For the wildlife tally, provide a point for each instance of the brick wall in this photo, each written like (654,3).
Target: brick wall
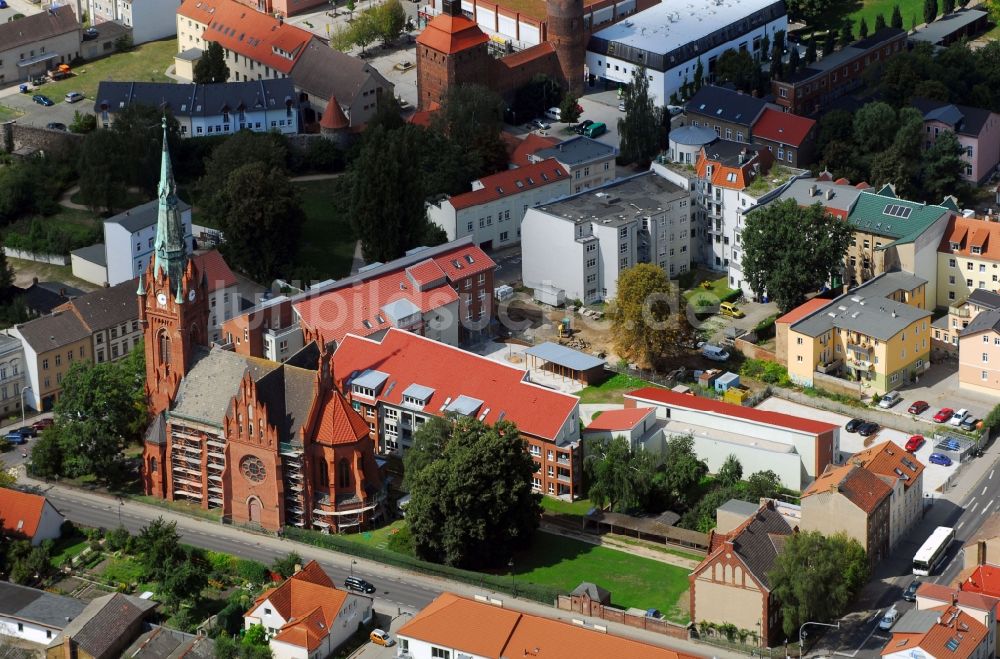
(753,351)
(14,136)
(588,607)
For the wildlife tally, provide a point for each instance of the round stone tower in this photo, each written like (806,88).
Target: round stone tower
(566,32)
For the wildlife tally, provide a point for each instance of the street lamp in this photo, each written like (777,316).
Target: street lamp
(353,563)
(802,635)
(513,587)
(23,389)
(121,502)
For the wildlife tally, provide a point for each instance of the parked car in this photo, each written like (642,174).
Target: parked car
(621,106)
(582,126)
(3,4)
(359,584)
(868,429)
(538,124)
(674,110)
(42,99)
(731,310)
(14,437)
(889,619)
(55,125)
(940,459)
(595,130)
(943,414)
(27,432)
(854,424)
(890,399)
(553,114)
(42,424)
(969,423)
(914,443)
(715,353)
(379,637)
(918,407)
(73,97)
(910,594)
(90,33)
(959,416)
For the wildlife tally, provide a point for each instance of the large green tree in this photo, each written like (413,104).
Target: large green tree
(646,324)
(472,115)
(617,476)
(391,19)
(930,10)
(638,130)
(943,167)
(103,186)
(737,67)
(183,583)
(813,246)
(211,66)
(474,506)
(243,148)
(815,577)
(261,216)
(158,549)
(682,471)
(808,11)
(896,20)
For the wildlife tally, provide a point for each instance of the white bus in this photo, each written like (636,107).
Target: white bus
(932,551)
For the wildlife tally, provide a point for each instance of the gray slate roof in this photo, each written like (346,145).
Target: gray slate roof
(156,433)
(55,330)
(163,643)
(722,104)
(693,135)
(563,356)
(211,383)
(101,624)
(142,216)
(740,507)
(108,307)
(576,151)
(963,119)
(758,543)
(288,392)
(37,27)
(193,100)
(985,298)
(842,197)
(945,26)
(867,310)
(838,58)
(591,590)
(38,606)
(323,72)
(916,622)
(985,320)
(92,253)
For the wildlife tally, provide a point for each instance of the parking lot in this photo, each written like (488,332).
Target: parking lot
(850,442)
(938,386)
(39,115)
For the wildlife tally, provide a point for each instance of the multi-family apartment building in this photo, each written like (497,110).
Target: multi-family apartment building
(149,19)
(878,335)
(32,45)
(975,326)
(977,131)
(129,236)
(200,110)
(282,7)
(598,234)
(948,329)
(895,234)
(112,318)
(589,163)
(12,374)
(816,85)
(904,474)
(968,259)
(493,210)
(259,46)
(51,344)
(728,180)
(398,382)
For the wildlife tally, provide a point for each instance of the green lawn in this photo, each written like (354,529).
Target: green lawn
(327,243)
(612,389)
(719,288)
(6,114)
(67,548)
(869,9)
(581,507)
(378,537)
(633,581)
(145,63)
(179,506)
(123,570)
(680,553)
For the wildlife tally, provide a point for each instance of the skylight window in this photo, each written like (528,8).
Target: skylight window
(895,210)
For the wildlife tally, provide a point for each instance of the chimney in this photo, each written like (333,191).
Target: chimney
(954,599)
(981,552)
(813,190)
(34,281)
(829,193)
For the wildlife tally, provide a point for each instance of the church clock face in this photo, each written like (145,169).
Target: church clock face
(192,295)
(161,299)
(253,469)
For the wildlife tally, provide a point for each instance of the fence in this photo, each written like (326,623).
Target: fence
(588,607)
(754,351)
(54,259)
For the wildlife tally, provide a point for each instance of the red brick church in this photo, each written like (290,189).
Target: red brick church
(265,443)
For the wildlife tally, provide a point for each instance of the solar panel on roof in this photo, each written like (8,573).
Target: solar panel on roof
(952,644)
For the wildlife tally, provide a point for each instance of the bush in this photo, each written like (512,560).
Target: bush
(401,541)
(83,123)
(765,371)
(252,571)
(118,539)
(322,155)
(731,296)
(685,280)
(222,565)
(49,237)
(230,618)
(765,328)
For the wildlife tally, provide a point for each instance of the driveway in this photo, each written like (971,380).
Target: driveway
(39,115)
(850,443)
(939,388)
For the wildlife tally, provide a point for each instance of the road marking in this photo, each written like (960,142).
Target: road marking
(969,502)
(986,507)
(864,642)
(984,491)
(960,525)
(991,473)
(973,509)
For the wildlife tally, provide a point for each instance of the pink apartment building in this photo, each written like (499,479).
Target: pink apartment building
(977,130)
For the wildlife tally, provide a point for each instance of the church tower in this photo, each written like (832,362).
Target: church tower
(173,298)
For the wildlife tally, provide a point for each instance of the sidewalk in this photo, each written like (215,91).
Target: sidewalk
(343,561)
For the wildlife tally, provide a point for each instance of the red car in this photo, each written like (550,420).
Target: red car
(944,415)
(919,407)
(914,443)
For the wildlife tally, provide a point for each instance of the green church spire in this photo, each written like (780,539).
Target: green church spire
(170,247)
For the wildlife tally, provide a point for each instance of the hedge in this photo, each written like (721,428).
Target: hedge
(537,592)
(765,328)
(731,296)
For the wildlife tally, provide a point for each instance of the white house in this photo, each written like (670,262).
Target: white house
(598,233)
(492,212)
(129,238)
(29,515)
(33,615)
(149,19)
(638,426)
(589,163)
(670,39)
(306,616)
(942,631)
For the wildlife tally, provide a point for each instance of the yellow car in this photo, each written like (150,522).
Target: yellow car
(731,310)
(379,637)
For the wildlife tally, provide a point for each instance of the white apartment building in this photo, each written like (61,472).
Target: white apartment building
(597,234)
(589,163)
(670,39)
(129,237)
(492,212)
(149,19)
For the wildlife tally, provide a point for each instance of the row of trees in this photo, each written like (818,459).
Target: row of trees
(385,21)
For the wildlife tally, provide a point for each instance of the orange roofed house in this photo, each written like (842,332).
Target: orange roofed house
(451,627)
(943,632)
(731,584)
(28,516)
(307,616)
(399,382)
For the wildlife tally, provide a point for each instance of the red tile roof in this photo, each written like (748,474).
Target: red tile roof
(216,270)
(890,460)
(465,261)
(451,372)
(807,308)
(984,579)
(783,127)
(451,34)
(309,602)
(333,116)
(674,399)
(957,636)
(532,143)
(967,599)
(625,419)
(20,512)
(485,630)
(248,32)
(860,486)
(511,182)
(971,232)
(528,55)
(425,273)
(339,422)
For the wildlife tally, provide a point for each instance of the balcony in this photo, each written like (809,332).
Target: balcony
(829,367)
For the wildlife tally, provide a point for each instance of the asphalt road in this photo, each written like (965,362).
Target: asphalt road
(392,592)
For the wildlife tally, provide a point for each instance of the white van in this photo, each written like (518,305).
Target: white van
(715,353)
(889,619)
(553,114)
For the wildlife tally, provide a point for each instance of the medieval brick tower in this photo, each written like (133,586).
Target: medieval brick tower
(568,34)
(450,51)
(173,307)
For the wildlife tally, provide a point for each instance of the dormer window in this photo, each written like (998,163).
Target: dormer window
(976,249)
(955,247)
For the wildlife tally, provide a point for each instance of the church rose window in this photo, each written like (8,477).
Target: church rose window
(253,469)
